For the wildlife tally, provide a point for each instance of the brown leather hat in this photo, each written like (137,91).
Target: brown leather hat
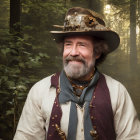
(81,21)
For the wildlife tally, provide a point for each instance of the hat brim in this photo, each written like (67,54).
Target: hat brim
(111,37)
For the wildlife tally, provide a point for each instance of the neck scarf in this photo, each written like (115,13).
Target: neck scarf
(66,95)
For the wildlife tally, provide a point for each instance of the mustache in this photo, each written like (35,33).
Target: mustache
(75,58)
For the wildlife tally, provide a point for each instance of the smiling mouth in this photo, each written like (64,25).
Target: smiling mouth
(74,60)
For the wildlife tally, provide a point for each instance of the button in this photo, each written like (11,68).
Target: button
(93,133)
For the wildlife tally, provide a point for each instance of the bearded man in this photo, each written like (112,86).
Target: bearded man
(80,103)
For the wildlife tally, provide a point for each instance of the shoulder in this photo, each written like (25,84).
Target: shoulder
(40,89)
(113,83)
(125,117)
(44,83)
(118,92)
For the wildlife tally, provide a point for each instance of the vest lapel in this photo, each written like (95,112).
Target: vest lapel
(54,130)
(101,113)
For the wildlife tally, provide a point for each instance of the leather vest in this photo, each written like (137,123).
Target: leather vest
(101,113)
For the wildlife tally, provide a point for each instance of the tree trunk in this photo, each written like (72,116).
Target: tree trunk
(15,17)
(133,48)
(138,39)
(138,19)
(138,7)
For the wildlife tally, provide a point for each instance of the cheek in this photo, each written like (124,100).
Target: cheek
(90,58)
(89,55)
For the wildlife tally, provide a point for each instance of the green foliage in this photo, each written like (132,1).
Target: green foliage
(4,11)
(26,59)
(14,58)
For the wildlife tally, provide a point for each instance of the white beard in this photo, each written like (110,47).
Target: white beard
(76,71)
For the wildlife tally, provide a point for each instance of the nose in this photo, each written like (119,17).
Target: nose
(74,51)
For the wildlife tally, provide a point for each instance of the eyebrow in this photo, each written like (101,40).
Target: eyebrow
(67,41)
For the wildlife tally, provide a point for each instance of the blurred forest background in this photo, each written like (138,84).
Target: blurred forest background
(28,53)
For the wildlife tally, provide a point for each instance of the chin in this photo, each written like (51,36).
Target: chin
(74,72)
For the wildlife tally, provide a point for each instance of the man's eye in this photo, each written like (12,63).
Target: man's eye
(82,45)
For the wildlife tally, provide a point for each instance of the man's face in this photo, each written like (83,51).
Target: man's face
(78,57)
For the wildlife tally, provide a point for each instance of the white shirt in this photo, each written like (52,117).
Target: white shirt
(34,120)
